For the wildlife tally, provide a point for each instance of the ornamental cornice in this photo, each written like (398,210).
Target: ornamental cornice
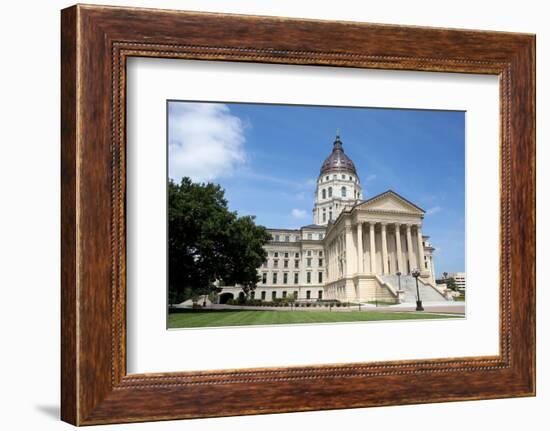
(381,211)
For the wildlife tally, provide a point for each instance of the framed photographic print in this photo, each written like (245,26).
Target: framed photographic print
(325,214)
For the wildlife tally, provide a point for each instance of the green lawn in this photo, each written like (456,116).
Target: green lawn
(209,318)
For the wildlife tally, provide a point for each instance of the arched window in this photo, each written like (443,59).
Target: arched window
(324,193)
(330,192)
(344,191)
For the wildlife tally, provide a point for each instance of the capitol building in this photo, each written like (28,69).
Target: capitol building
(356,250)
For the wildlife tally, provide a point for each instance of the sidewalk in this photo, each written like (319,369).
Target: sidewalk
(443,307)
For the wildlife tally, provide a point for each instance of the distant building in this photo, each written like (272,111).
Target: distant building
(460,279)
(354,249)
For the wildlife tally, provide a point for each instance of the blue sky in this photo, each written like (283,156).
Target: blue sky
(267,158)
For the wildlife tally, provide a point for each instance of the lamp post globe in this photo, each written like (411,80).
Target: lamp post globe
(416,273)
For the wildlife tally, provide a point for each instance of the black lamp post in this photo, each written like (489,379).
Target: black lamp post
(416,274)
(398,273)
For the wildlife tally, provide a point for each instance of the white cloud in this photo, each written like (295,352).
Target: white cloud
(206,141)
(299,214)
(433,210)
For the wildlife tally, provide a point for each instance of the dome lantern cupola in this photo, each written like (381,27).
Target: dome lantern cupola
(338,185)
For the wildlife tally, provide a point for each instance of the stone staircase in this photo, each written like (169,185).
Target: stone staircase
(428,293)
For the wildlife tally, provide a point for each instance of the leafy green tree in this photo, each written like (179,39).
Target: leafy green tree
(245,253)
(207,242)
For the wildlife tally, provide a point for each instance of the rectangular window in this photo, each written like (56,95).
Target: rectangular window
(286,264)
(276,254)
(284,293)
(321,236)
(308,294)
(309,262)
(264,278)
(287,238)
(263,295)
(320,252)
(296,255)
(320,277)
(274,278)
(277,237)
(320,262)
(309,236)
(309,252)
(308,277)
(285,278)
(286,255)
(295,294)
(275,263)
(252,295)
(295,278)
(296,263)
(320,294)
(273,295)
(324,216)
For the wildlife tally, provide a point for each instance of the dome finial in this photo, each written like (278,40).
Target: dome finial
(337,142)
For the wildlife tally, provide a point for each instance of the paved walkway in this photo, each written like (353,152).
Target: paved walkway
(453,308)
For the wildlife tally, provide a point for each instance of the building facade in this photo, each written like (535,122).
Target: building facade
(356,250)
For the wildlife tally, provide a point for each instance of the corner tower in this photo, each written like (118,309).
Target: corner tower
(338,186)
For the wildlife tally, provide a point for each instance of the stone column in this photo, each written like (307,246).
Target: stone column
(359,247)
(349,251)
(327,262)
(410,251)
(372,249)
(332,256)
(421,266)
(399,252)
(384,250)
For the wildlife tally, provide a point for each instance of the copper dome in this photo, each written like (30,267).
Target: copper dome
(338,160)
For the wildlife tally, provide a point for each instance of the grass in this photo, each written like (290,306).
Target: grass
(210,318)
(381,303)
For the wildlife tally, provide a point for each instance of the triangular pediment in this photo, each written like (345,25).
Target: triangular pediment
(390,202)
